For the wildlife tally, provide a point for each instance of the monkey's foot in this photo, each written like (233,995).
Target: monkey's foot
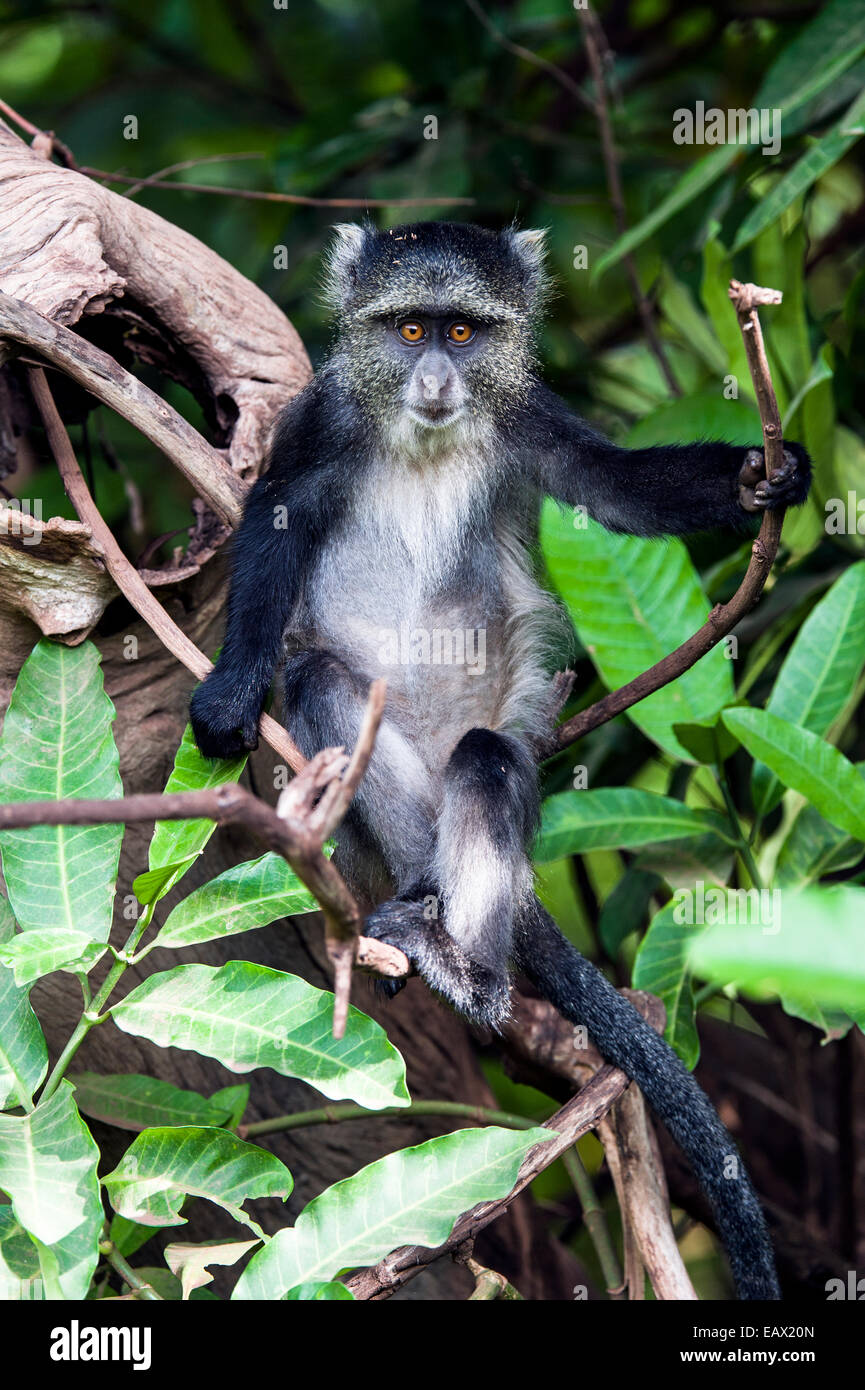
(473,989)
(786,487)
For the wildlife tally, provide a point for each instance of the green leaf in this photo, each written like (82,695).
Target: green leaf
(820,671)
(150,886)
(43,950)
(817,956)
(842,490)
(128,1236)
(627,908)
(777,260)
(717,273)
(57,743)
(234,1099)
(20,1276)
(821,372)
(686,863)
(177,842)
(135,1102)
(681,312)
(806,764)
(48,1170)
(700,415)
(706,740)
(23,1054)
(817,55)
(814,848)
(249,1016)
(162,1167)
(168,1286)
(661,967)
(805,172)
(410,1197)
(693,183)
(249,895)
(617,818)
(633,601)
(833,1023)
(314,1292)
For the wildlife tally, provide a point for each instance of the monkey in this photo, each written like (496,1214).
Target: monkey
(393,527)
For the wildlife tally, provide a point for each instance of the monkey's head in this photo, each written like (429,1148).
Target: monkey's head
(435,322)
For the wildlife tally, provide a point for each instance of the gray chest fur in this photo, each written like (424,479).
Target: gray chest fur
(427,583)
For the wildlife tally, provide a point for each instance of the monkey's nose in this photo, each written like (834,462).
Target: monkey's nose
(431,386)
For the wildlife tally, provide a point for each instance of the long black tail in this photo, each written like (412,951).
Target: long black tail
(580,992)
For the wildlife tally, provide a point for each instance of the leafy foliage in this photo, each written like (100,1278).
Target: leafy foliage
(410,1197)
(743,779)
(249,1016)
(163,1167)
(56,742)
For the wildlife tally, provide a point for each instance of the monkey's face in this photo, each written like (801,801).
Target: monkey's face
(435,325)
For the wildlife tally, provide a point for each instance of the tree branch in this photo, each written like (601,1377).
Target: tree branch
(71,248)
(110,383)
(230,804)
(297,806)
(124,573)
(575,1119)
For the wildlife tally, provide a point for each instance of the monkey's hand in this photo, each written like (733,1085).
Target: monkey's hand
(786,487)
(225,726)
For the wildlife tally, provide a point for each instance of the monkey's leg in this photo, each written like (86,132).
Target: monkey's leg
(585,996)
(488,812)
(392,815)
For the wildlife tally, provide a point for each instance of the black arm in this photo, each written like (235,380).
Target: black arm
(671,489)
(286,517)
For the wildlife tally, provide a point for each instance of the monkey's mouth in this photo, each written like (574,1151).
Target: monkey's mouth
(435,413)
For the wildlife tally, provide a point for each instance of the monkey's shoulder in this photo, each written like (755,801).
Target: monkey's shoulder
(317,431)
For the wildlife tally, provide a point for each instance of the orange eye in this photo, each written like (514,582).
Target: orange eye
(461,333)
(411,331)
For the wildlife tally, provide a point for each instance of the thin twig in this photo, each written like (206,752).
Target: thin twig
(261,196)
(20,120)
(329,811)
(593,35)
(140,1288)
(490,1285)
(558,74)
(156,181)
(641,1189)
(190,164)
(321,820)
(724,616)
(124,573)
(540,1045)
(348,1110)
(595,1223)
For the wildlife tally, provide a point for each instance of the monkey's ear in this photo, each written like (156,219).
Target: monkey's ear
(342,261)
(530,247)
